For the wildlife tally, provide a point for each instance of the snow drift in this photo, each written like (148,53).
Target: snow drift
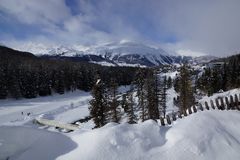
(204,135)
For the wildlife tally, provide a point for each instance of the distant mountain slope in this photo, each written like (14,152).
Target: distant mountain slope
(6,52)
(112,54)
(127,53)
(132,53)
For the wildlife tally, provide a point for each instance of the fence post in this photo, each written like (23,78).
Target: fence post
(194,109)
(168,119)
(179,115)
(232,102)
(222,103)
(227,103)
(237,102)
(206,105)
(174,117)
(200,107)
(212,104)
(217,103)
(162,121)
(189,110)
(184,113)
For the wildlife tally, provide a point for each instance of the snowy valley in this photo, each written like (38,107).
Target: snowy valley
(208,134)
(53,108)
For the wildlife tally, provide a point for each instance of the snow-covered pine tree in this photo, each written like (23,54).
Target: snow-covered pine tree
(98,105)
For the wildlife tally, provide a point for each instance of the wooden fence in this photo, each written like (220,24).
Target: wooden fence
(227,103)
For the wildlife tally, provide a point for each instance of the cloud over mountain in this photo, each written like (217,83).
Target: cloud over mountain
(200,26)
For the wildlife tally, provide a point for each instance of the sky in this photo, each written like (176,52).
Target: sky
(185,26)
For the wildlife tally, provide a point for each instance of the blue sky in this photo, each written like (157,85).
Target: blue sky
(206,26)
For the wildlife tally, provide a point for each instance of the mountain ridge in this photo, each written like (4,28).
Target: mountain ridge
(111,54)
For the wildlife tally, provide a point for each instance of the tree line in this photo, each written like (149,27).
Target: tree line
(224,78)
(146,98)
(24,75)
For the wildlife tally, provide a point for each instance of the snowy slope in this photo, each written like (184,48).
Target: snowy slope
(132,53)
(205,135)
(57,107)
(53,50)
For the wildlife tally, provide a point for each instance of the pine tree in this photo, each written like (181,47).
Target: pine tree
(169,82)
(152,96)
(98,105)
(163,97)
(141,93)
(113,102)
(224,77)
(131,109)
(13,83)
(124,103)
(186,98)
(3,82)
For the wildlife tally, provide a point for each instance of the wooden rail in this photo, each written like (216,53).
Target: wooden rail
(226,103)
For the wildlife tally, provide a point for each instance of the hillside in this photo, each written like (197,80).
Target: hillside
(204,135)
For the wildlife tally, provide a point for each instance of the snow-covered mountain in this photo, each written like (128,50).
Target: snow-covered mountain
(203,59)
(52,50)
(132,53)
(112,54)
(121,53)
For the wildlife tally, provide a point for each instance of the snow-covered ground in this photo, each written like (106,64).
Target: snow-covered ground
(204,135)
(223,94)
(67,108)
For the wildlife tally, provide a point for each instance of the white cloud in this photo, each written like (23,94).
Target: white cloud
(206,26)
(44,12)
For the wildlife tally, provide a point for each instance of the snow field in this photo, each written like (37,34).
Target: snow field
(204,135)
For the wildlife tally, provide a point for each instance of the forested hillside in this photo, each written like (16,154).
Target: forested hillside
(221,78)
(24,75)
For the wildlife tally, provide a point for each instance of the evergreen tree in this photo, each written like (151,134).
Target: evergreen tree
(141,93)
(152,96)
(186,98)
(124,103)
(169,82)
(163,97)
(132,118)
(98,105)
(13,83)
(3,82)
(113,102)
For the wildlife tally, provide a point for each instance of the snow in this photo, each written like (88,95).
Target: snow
(204,135)
(104,63)
(22,143)
(51,107)
(217,95)
(171,93)
(110,50)
(170,74)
